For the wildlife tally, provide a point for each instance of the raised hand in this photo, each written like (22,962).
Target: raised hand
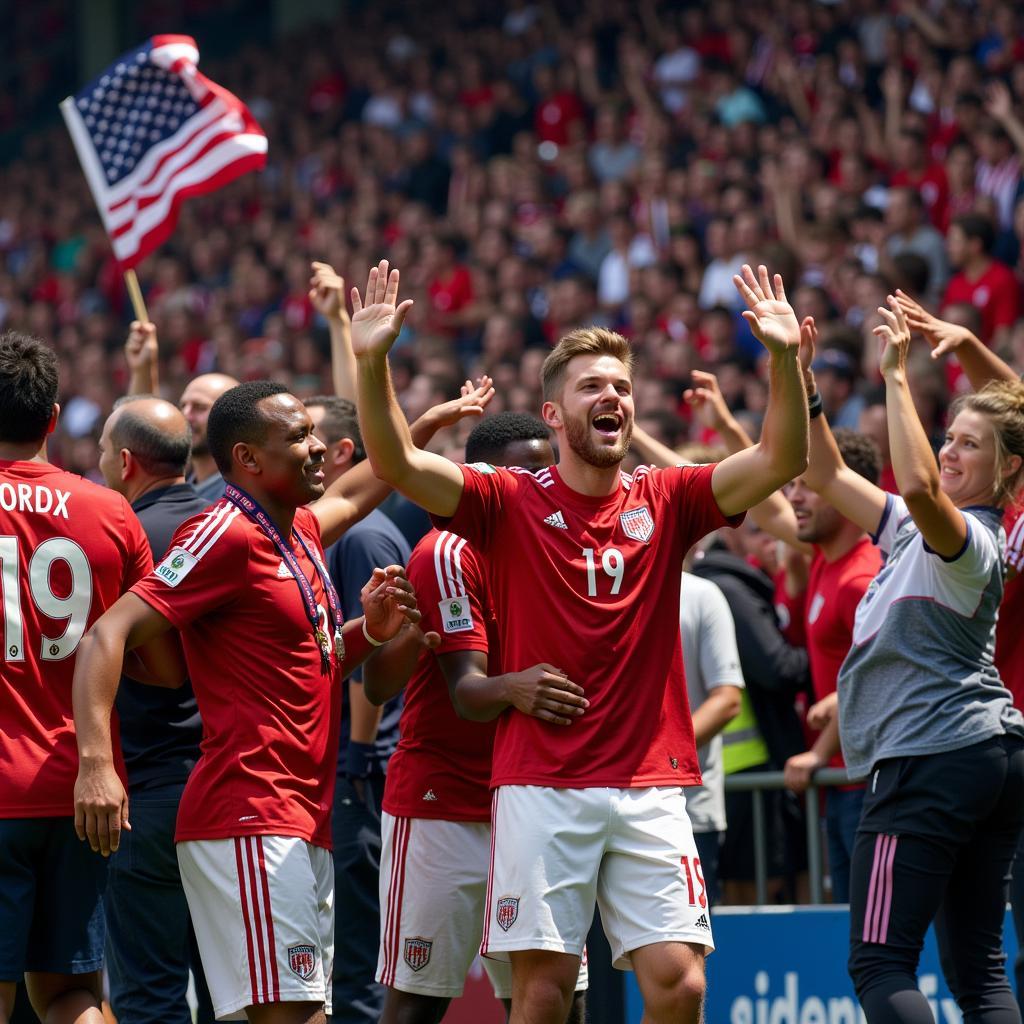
(327,292)
(999,101)
(706,400)
(894,334)
(808,344)
(770,315)
(388,601)
(376,323)
(943,337)
(141,348)
(472,401)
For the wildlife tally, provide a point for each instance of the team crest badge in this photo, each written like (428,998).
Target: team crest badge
(417,953)
(302,960)
(507,911)
(638,524)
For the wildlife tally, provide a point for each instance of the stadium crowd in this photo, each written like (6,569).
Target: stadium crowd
(540,168)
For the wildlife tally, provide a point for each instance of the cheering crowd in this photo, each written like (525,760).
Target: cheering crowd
(576,205)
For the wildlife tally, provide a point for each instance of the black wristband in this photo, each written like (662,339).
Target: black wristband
(361,760)
(814,405)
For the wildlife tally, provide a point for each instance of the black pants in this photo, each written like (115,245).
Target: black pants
(936,841)
(357,997)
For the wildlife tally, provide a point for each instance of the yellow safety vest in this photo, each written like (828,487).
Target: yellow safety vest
(743,746)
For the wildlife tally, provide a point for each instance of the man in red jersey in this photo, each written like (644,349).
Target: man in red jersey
(266,648)
(68,550)
(583,564)
(437,798)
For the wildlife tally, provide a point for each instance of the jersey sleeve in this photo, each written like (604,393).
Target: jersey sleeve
(893,517)
(487,494)
(697,512)
(450,592)
(206,566)
(139,560)
(719,655)
(1015,540)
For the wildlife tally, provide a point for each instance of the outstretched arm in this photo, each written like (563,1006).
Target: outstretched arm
(941,523)
(748,477)
(327,295)
(427,479)
(980,363)
(101,803)
(358,492)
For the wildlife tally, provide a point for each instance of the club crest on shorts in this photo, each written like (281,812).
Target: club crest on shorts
(507,910)
(417,953)
(302,960)
(638,524)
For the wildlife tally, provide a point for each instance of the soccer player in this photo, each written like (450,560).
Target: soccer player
(144,449)
(583,564)
(68,550)
(437,798)
(921,706)
(266,648)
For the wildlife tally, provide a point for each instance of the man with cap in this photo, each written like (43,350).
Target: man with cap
(836,374)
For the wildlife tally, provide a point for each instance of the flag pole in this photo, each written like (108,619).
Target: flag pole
(135,294)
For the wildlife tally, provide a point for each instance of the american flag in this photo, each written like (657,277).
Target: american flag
(152,131)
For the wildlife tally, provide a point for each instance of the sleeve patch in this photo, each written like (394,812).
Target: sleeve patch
(481,467)
(456,615)
(176,566)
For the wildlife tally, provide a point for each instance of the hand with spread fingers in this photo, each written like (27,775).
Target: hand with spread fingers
(894,334)
(377,316)
(389,601)
(942,336)
(472,401)
(769,313)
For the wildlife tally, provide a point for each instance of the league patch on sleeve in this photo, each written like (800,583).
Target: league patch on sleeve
(176,566)
(456,615)
(481,467)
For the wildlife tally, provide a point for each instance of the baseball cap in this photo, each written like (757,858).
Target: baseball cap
(836,360)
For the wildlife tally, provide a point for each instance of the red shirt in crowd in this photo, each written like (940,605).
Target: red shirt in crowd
(833,592)
(271,716)
(442,766)
(1010,627)
(591,585)
(449,295)
(933,185)
(995,294)
(555,117)
(68,550)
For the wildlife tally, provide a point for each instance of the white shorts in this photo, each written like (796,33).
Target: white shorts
(263,912)
(433,881)
(557,851)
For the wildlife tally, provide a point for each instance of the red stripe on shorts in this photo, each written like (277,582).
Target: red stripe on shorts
(257,916)
(244,901)
(275,980)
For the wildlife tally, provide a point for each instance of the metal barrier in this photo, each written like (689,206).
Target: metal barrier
(756,783)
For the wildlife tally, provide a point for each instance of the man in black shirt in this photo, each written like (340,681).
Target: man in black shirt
(144,449)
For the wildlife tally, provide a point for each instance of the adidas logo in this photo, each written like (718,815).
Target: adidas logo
(283,572)
(556,520)
(429,795)
(702,922)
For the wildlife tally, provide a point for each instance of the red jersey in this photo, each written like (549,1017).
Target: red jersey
(1009,635)
(995,294)
(270,715)
(68,550)
(591,585)
(833,592)
(442,766)
(933,185)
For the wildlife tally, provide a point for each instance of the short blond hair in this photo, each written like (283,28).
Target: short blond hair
(1001,402)
(584,341)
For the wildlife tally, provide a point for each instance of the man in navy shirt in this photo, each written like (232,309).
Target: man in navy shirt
(368,737)
(144,449)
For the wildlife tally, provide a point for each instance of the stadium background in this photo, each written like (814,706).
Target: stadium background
(531,167)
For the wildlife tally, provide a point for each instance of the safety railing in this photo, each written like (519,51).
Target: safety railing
(756,783)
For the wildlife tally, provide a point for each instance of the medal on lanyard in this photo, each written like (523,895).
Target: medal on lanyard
(247,504)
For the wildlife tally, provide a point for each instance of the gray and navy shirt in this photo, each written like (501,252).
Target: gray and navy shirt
(920,676)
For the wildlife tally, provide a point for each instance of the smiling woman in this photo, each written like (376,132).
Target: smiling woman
(922,709)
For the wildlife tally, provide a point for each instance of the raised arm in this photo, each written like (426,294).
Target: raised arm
(101,803)
(748,477)
(979,362)
(941,523)
(427,479)
(142,352)
(359,491)
(327,295)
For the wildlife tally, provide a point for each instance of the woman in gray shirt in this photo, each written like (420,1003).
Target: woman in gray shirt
(922,711)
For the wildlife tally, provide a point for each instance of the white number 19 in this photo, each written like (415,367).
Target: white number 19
(75,607)
(613,564)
